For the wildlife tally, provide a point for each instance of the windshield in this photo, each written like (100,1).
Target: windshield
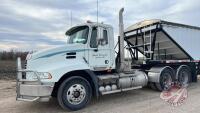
(78,35)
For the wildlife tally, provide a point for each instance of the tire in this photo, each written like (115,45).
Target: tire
(74,93)
(183,73)
(165,80)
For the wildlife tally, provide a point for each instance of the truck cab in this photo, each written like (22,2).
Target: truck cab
(89,48)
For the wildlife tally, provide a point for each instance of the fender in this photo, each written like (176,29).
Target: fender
(89,75)
(155,72)
(94,80)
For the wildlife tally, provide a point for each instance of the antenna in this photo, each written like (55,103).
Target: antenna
(97,11)
(71,18)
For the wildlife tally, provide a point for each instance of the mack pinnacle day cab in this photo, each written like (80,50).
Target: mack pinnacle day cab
(89,64)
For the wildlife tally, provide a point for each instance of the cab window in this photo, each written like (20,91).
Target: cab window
(102,33)
(78,35)
(105,35)
(93,40)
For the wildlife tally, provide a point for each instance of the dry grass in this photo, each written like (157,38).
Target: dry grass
(7,69)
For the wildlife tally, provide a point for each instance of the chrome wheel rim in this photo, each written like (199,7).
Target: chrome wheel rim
(76,94)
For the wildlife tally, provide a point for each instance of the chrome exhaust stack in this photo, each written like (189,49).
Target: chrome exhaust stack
(121,41)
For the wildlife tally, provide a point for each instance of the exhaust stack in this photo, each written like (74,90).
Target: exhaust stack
(121,40)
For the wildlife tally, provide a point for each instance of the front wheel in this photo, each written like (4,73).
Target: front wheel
(74,93)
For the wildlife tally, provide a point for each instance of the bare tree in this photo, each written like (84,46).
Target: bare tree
(12,55)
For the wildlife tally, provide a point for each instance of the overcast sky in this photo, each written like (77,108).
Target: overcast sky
(36,24)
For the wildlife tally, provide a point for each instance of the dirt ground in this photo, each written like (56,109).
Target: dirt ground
(137,101)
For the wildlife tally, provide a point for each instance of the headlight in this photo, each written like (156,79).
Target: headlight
(43,75)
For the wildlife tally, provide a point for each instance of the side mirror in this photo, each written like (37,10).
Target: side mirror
(99,41)
(100,37)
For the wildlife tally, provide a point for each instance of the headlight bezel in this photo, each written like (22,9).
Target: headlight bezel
(42,75)
(29,56)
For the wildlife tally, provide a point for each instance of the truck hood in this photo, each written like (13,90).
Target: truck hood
(57,50)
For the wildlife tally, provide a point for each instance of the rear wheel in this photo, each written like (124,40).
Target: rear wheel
(74,93)
(183,73)
(165,80)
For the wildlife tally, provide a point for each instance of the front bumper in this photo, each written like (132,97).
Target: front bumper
(31,90)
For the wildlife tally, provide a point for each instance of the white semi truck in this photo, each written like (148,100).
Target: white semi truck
(89,65)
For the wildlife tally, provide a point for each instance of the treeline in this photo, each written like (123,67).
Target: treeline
(12,55)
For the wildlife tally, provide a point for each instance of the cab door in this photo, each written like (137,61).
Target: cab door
(99,54)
